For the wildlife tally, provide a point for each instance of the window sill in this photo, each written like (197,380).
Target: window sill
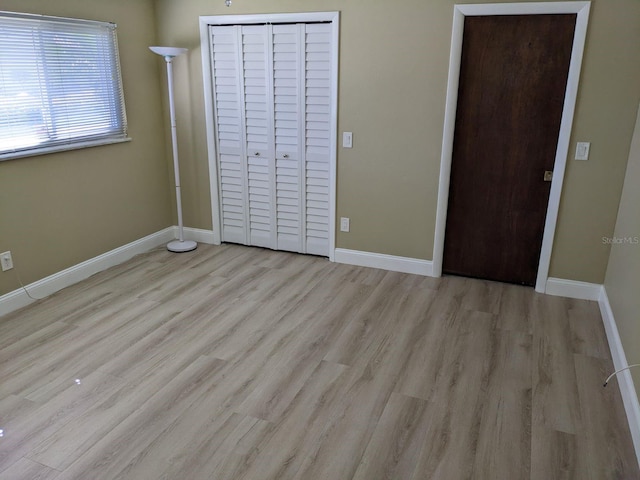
(61,148)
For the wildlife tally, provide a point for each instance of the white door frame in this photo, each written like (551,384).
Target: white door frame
(581,9)
(209,104)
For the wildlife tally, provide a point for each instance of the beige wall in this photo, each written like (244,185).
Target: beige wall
(393,77)
(623,274)
(60,209)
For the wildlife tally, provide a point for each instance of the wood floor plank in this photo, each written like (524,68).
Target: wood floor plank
(397,441)
(458,401)
(32,344)
(435,333)
(239,363)
(297,301)
(25,469)
(23,433)
(473,294)
(388,354)
(504,438)
(121,446)
(515,310)
(283,447)
(587,329)
(13,407)
(349,427)
(554,394)
(366,330)
(188,429)
(287,370)
(76,437)
(167,334)
(555,455)
(220,454)
(85,352)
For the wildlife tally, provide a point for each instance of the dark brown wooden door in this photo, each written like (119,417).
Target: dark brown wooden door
(513,77)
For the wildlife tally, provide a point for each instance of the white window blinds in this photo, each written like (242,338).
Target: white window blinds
(60,84)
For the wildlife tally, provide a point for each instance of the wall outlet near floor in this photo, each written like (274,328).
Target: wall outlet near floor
(344,224)
(6,261)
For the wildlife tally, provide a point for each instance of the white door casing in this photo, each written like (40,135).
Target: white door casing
(581,9)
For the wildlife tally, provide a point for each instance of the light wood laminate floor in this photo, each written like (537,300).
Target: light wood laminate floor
(240,363)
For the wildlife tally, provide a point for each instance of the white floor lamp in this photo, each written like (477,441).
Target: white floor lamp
(169,53)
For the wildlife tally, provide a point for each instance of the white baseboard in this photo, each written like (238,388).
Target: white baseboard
(560,287)
(385,262)
(51,284)
(624,379)
(197,235)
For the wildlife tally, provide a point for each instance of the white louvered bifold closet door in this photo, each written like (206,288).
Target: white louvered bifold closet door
(273,132)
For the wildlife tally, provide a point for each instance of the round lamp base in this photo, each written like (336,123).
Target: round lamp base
(179,247)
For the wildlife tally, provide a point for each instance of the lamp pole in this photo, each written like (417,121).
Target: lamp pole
(169,53)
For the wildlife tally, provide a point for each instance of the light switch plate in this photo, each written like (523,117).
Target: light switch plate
(347,139)
(582,150)
(6,261)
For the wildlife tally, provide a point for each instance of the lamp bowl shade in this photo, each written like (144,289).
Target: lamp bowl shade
(168,51)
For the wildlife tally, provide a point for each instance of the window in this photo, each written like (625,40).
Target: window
(60,85)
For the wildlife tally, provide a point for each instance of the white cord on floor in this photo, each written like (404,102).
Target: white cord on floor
(618,371)
(23,287)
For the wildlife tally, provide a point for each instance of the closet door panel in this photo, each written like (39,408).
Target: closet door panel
(317,122)
(228,85)
(288,88)
(259,134)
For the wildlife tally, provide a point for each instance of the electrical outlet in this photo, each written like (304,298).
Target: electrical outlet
(6,260)
(344,224)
